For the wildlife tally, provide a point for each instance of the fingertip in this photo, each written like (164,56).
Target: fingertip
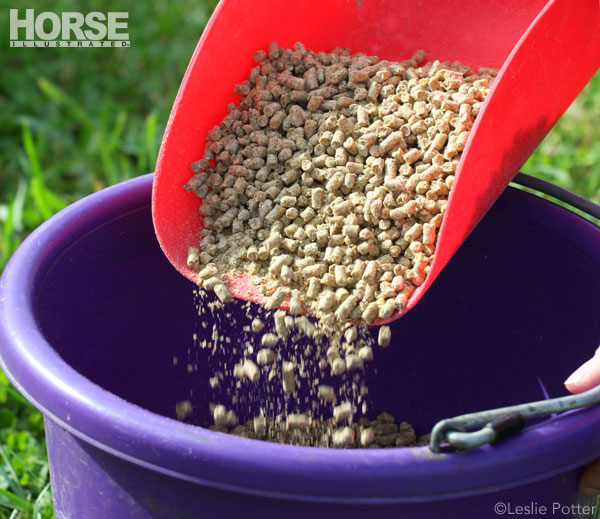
(585,377)
(572,388)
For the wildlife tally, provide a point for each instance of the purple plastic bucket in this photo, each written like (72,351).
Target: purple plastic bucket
(92,314)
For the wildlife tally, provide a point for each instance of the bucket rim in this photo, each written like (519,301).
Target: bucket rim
(195,454)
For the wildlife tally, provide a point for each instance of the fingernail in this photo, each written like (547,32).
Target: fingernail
(579,374)
(589,491)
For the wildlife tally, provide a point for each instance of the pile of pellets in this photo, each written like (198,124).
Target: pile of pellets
(329,180)
(327,184)
(303,429)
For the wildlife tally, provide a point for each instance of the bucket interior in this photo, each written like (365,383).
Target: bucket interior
(509,318)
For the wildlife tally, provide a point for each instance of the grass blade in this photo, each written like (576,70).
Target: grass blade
(11,477)
(151,129)
(108,165)
(36,172)
(17,205)
(47,203)
(26,467)
(6,237)
(31,151)
(38,502)
(60,97)
(11,501)
(117,132)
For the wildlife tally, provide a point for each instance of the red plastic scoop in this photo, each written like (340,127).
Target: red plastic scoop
(547,51)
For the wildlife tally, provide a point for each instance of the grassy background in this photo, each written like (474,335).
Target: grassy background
(73,121)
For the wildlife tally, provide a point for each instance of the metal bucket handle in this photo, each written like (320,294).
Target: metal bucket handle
(496,424)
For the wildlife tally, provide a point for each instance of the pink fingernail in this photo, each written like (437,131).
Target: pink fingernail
(579,374)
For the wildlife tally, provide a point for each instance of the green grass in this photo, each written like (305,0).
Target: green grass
(73,121)
(24,483)
(76,120)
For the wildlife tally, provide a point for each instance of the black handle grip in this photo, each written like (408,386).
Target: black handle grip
(507,425)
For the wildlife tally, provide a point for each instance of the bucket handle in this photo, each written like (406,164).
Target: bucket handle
(560,193)
(495,424)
